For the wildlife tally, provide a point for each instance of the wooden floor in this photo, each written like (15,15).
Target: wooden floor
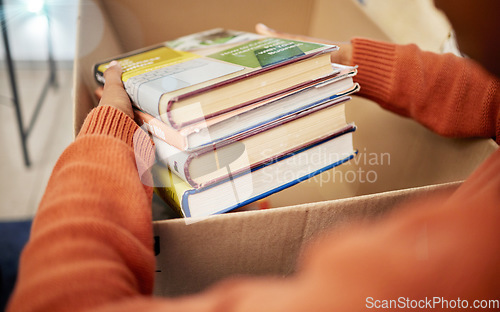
(21,188)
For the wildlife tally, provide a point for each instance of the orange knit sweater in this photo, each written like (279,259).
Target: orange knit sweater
(91,241)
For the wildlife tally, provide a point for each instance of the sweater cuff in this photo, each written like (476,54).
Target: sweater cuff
(375,62)
(109,121)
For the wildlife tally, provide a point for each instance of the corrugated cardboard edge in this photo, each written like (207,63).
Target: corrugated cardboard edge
(194,255)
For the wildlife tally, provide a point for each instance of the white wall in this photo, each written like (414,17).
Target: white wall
(410,21)
(27,31)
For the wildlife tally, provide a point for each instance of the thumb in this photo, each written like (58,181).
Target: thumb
(113,75)
(114,93)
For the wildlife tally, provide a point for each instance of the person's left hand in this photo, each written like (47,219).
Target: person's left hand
(114,93)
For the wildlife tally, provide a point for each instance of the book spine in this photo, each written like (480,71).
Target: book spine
(177,160)
(161,130)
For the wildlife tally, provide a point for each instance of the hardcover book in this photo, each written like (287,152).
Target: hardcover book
(246,187)
(237,121)
(207,74)
(252,148)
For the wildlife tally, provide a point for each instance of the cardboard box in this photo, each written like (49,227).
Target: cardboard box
(398,159)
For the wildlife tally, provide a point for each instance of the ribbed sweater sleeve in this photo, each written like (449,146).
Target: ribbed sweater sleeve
(91,240)
(451,95)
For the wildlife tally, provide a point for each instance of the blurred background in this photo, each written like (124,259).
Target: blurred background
(37,27)
(36,95)
(40,36)
(48,130)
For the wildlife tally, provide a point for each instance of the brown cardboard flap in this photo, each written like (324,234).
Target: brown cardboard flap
(195,255)
(153,21)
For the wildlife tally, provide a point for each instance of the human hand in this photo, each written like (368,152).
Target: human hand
(342,56)
(114,93)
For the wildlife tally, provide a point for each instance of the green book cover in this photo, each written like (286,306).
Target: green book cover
(264,52)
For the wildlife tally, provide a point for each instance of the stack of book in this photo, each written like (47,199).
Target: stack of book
(236,116)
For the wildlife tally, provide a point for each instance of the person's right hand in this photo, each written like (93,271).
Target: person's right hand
(342,56)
